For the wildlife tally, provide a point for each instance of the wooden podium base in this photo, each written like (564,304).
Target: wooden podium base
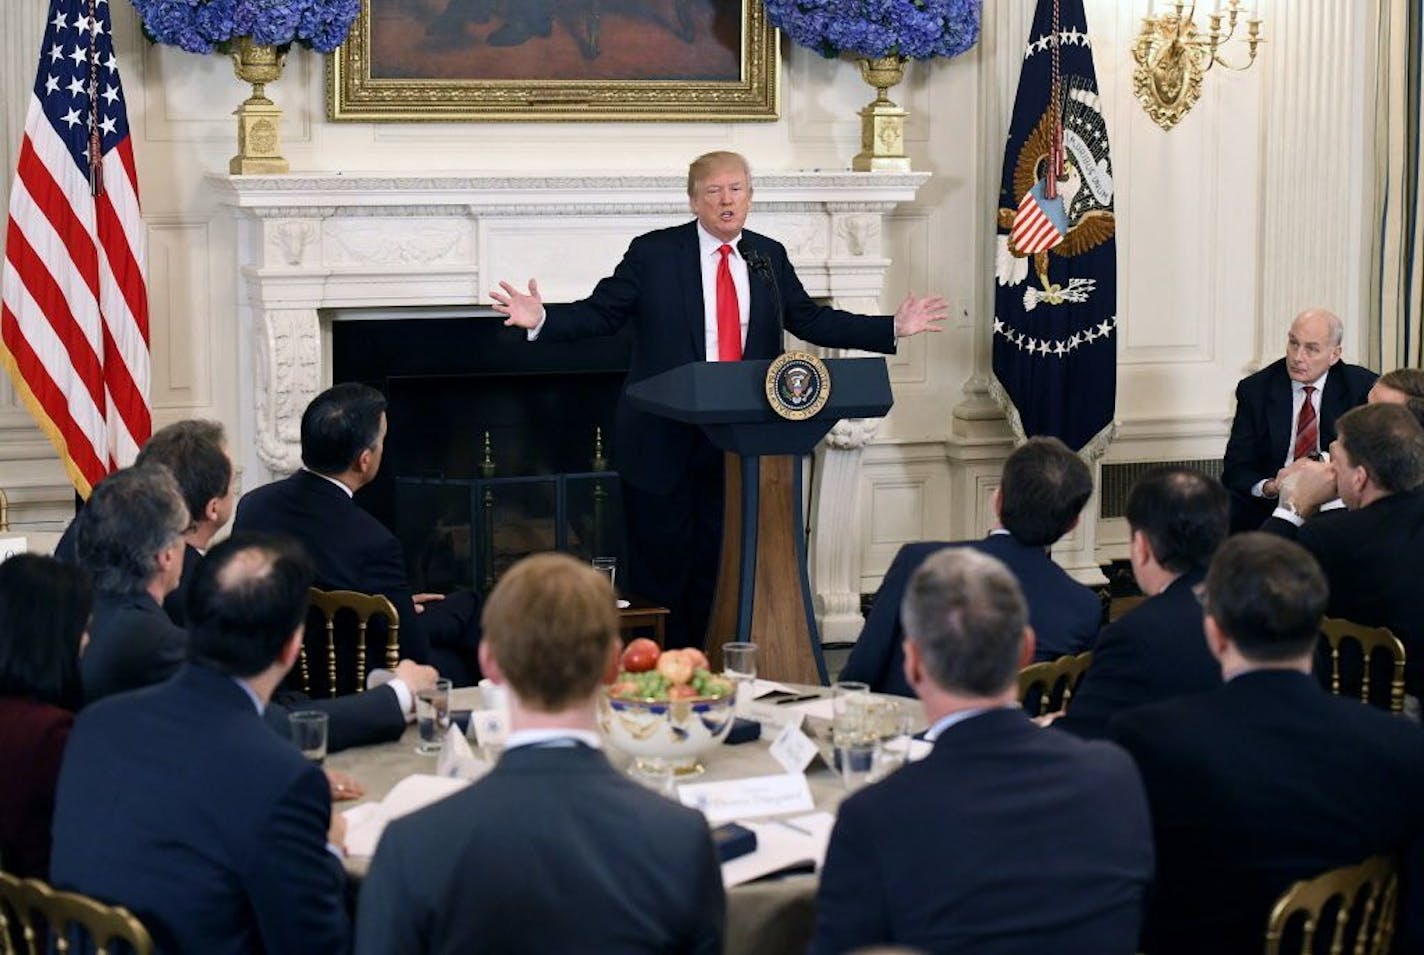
(763,595)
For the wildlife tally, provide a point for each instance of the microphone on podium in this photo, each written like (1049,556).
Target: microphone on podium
(758,262)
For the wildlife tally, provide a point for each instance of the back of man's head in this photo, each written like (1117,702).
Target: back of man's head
(248,596)
(1408,382)
(550,624)
(1044,488)
(1387,441)
(966,614)
(339,424)
(194,452)
(1267,594)
(132,515)
(1183,513)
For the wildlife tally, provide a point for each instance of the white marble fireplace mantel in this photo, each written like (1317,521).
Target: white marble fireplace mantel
(312,244)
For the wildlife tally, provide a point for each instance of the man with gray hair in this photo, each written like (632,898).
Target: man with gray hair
(919,859)
(1286,412)
(130,540)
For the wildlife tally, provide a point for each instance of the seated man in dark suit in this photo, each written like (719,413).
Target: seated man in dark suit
(195,453)
(343,437)
(1369,551)
(1042,491)
(554,850)
(1286,412)
(924,859)
(1177,518)
(178,803)
(1267,779)
(128,538)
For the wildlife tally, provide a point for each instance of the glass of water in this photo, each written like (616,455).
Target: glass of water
(739,664)
(309,731)
(432,716)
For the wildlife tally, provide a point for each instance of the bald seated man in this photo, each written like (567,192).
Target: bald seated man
(1286,413)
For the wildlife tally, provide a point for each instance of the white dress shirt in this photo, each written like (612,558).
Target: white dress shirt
(1297,399)
(711,259)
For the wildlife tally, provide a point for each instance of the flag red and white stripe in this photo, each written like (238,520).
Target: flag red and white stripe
(74,326)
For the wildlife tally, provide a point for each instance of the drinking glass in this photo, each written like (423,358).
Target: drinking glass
(850,702)
(856,759)
(739,664)
(432,717)
(309,731)
(608,567)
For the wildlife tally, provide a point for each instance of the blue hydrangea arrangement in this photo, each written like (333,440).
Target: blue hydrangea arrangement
(202,26)
(913,29)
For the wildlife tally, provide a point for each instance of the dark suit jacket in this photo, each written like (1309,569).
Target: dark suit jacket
(1065,614)
(133,644)
(1370,559)
(553,851)
(32,738)
(352,550)
(178,803)
(658,287)
(1256,784)
(925,859)
(1153,652)
(1262,426)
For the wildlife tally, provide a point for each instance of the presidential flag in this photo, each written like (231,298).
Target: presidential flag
(74,324)
(1055,301)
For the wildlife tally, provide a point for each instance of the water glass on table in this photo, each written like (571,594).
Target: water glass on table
(432,717)
(608,567)
(739,664)
(309,732)
(849,702)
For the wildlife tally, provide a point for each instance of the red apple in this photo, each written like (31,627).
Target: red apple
(640,655)
(675,665)
(698,658)
(681,692)
(624,688)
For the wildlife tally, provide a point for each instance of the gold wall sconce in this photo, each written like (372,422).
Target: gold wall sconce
(1173,53)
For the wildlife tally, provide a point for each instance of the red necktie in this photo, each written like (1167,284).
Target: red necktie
(729,321)
(1307,428)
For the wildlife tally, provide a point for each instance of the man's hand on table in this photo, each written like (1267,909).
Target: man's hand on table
(344,786)
(1308,485)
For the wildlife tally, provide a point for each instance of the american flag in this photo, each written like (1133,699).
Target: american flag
(74,326)
(1039,222)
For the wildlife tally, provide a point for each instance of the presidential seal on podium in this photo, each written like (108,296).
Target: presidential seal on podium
(797,385)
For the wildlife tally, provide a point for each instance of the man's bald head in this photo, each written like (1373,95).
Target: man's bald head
(247,598)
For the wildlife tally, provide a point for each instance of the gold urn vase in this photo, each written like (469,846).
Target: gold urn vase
(882,123)
(259,131)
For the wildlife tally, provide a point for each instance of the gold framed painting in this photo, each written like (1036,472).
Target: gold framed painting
(555,60)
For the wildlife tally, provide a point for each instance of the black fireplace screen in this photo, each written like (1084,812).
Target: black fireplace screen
(496,447)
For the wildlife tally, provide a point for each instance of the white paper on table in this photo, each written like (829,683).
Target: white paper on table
(773,795)
(366,822)
(781,846)
(760,688)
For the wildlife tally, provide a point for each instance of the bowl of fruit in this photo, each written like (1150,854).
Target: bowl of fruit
(666,705)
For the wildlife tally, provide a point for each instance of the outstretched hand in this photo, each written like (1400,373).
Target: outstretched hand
(917,315)
(520,309)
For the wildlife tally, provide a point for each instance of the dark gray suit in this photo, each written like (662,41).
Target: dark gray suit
(554,851)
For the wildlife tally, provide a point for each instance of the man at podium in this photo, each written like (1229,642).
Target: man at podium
(706,290)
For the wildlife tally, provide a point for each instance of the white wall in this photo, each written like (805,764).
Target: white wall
(1250,210)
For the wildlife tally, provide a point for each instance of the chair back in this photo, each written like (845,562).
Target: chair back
(1358,901)
(349,604)
(36,918)
(1054,681)
(1371,640)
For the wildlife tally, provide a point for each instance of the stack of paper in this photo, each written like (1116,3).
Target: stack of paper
(366,822)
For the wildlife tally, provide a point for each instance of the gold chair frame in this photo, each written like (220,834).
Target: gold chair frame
(1337,630)
(364,606)
(60,910)
(1066,670)
(1374,878)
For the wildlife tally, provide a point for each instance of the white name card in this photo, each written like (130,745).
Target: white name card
(792,748)
(489,727)
(748,798)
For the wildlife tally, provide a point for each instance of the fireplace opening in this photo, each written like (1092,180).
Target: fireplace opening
(496,447)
